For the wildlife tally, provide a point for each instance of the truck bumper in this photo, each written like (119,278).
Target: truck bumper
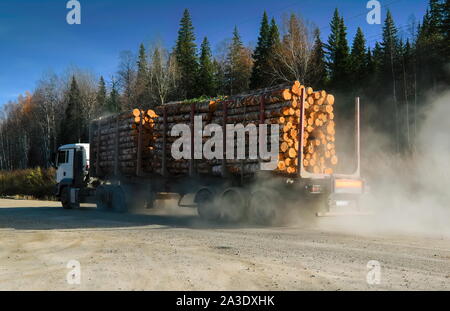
(344,199)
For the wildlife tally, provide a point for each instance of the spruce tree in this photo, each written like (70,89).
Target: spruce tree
(390,42)
(274,47)
(446,31)
(436,9)
(359,59)
(101,96)
(259,75)
(377,57)
(338,53)
(186,55)
(206,70)
(343,57)
(318,70)
(219,77)
(113,101)
(333,44)
(238,66)
(390,47)
(72,130)
(142,79)
(370,66)
(431,44)
(274,38)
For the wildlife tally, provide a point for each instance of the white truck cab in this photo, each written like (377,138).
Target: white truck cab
(72,164)
(65,160)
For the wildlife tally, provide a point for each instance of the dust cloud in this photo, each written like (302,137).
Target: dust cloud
(408,193)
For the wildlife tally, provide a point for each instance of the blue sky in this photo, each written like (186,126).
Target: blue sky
(35,38)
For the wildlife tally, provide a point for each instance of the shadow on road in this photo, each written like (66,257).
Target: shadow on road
(51,218)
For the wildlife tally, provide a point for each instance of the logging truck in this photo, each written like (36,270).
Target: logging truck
(129,160)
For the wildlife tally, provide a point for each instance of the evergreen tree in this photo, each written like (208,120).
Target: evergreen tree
(405,85)
(377,57)
(206,71)
(318,70)
(274,48)
(219,77)
(431,44)
(236,41)
(390,47)
(261,54)
(436,9)
(333,43)
(338,53)
(101,96)
(186,55)
(446,30)
(238,66)
(113,101)
(359,59)
(142,79)
(370,66)
(72,129)
(274,35)
(343,57)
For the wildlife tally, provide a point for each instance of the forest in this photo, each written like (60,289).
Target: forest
(393,76)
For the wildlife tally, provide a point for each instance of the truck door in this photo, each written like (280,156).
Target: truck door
(65,164)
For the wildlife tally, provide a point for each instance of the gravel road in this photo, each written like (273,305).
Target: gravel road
(171,249)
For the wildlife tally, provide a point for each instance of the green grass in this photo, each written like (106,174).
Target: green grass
(37,183)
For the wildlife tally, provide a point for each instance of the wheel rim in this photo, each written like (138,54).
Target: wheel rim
(118,200)
(65,198)
(232,206)
(261,208)
(101,198)
(204,196)
(205,205)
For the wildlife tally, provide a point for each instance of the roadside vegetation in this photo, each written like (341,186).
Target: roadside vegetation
(35,183)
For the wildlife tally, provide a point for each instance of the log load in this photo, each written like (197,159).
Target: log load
(115,141)
(114,147)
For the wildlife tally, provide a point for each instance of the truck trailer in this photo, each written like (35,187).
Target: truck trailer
(128,160)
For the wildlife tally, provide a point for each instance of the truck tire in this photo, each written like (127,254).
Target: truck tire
(65,199)
(264,206)
(101,198)
(119,200)
(233,205)
(206,208)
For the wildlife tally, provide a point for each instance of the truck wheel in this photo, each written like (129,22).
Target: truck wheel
(101,197)
(264,206)
(233,205)
(207,210)
(118,202)
(65,199)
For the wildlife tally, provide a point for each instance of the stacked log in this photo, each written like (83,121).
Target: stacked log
(281,105)
(170,115)
(319,154)
(114,143)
